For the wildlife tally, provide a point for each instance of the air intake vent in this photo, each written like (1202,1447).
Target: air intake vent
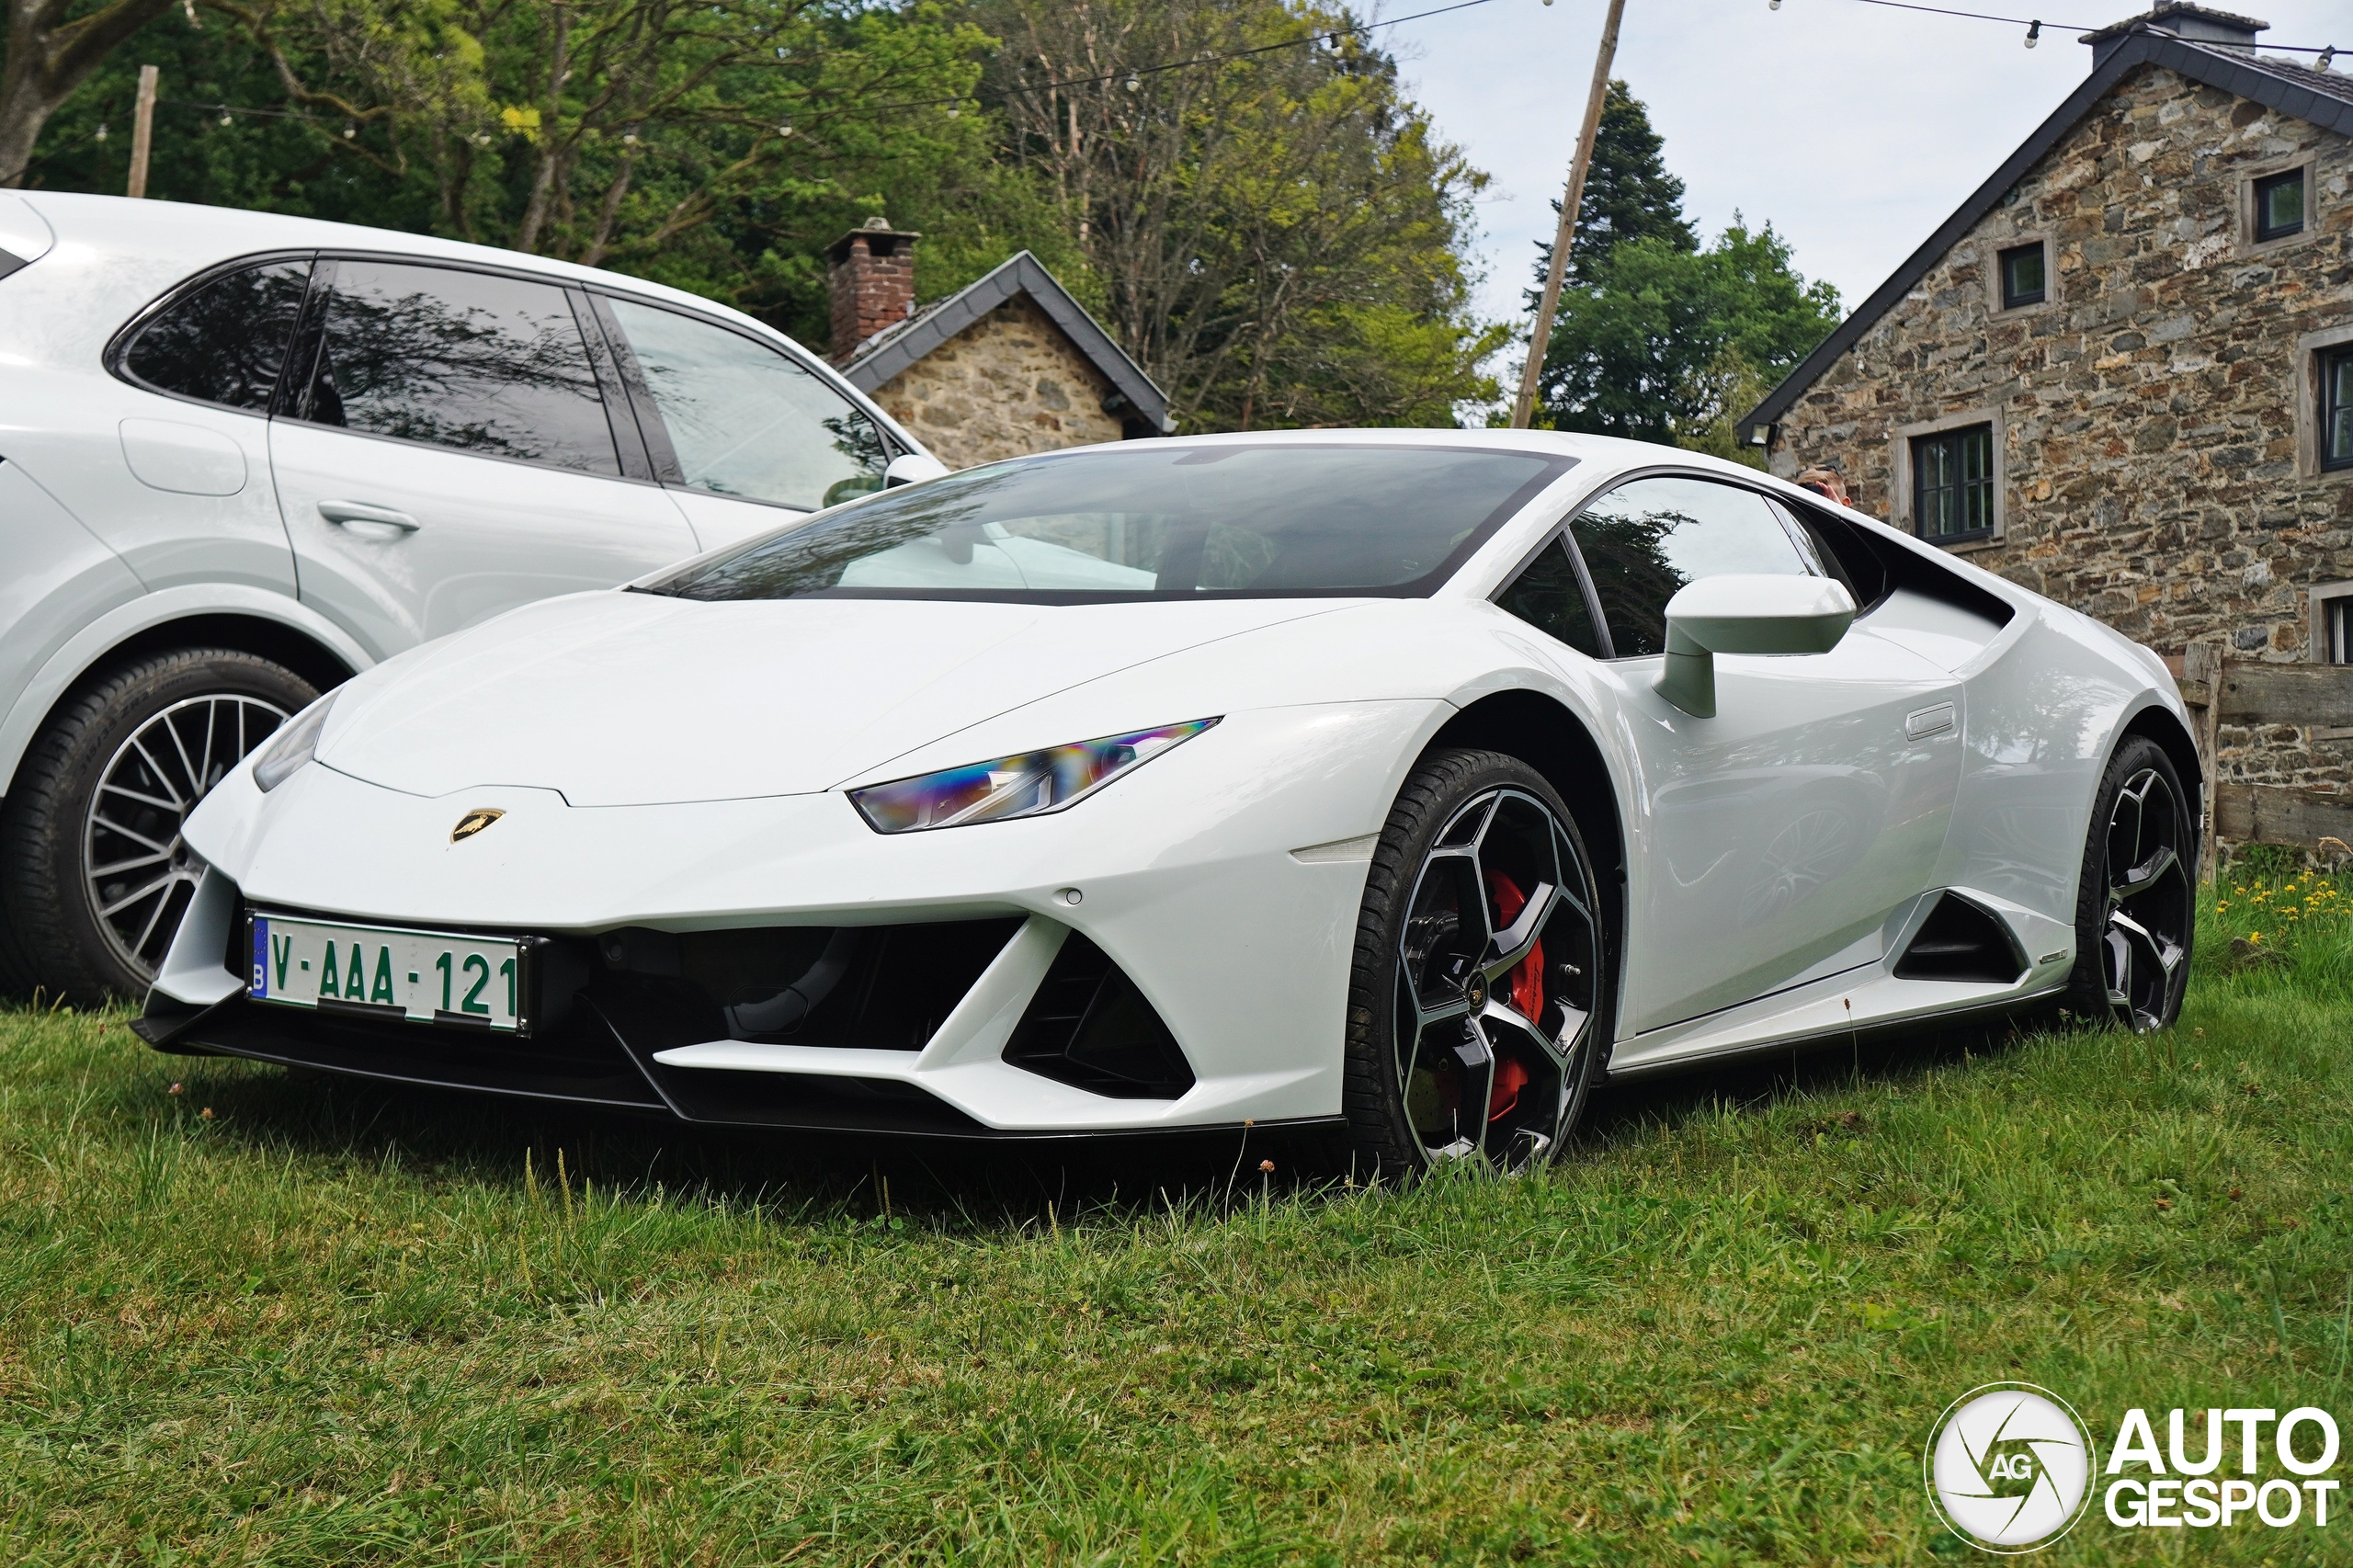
(1089,1027)
(1960,941)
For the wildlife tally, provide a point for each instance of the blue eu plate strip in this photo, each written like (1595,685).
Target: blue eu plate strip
(261,956)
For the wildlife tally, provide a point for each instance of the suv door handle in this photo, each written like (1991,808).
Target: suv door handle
(361,512)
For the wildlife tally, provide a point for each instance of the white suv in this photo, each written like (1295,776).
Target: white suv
(244,457)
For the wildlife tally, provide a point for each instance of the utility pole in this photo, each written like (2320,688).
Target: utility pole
(143,129)
(1524,406)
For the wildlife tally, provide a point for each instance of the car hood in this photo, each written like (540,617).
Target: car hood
(633,699)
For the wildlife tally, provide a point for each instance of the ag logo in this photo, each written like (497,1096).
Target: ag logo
(2008,1467)
(473,822)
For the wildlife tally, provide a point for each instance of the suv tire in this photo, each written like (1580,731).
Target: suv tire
(94,874)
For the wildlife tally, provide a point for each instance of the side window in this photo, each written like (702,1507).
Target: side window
(1548,597)
(225,343)
(462,359)
(747,421)
(1645,539)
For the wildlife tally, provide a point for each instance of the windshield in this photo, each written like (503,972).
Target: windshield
(1148,521)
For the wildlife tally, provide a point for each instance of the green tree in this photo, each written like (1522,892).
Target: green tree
(1277,235)
(1628,194)
(1655,345)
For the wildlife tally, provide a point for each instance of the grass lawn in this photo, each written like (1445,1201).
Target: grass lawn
(325,1324)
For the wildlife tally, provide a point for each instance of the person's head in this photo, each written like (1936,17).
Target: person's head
(1826,483)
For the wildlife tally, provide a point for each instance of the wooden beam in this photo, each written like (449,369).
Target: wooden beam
(142,129)
(2254,693)
(2271,813)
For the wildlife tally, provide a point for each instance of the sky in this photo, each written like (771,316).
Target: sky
(1854,128)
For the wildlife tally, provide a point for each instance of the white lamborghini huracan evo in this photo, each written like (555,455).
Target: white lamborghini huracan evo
(1410,780)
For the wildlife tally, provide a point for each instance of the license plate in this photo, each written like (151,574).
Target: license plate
(428,977)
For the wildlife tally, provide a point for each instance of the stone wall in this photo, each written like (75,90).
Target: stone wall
(1009,383)
(2147,416)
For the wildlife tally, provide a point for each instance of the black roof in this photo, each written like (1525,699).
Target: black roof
(2323,97)
(890,351)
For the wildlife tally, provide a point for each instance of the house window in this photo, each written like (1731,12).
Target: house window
(1952,483)
(2337,629)
(2280,206)
(2022,279)
(2336,408)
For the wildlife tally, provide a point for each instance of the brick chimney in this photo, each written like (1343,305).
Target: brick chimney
(872,273)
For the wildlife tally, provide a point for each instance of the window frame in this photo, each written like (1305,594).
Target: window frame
(2324,361)
(116,356)
(2324,600)
(2265,184)
(661,450)
(293,399)
(2003,300)
(1957,439)
(1905,491)
(1565,530)
(2308,375)
(2251,237)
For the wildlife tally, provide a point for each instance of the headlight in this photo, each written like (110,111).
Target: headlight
(292,745)
(1029,784)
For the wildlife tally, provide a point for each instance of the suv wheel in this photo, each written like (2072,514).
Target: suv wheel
(93,873)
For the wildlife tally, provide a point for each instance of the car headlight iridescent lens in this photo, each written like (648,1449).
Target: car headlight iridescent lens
(293,746)
(1029,785)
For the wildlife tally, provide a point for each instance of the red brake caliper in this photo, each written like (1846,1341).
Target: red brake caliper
(1527,997)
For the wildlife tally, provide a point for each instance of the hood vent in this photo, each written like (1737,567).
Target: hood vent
(1960,941)
(1089,1027)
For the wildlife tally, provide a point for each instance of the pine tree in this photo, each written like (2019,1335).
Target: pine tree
(1629,194)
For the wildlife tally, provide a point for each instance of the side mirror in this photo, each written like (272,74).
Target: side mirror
(912,467)
(1745,613)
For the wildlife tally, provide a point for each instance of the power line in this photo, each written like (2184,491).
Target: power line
(2034,26)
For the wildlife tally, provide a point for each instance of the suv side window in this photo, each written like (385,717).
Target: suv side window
(464,359)
(226,342)
(1548,596)
(746,420)
(1648,537)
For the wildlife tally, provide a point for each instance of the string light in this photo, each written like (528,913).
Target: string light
(101,134)
(2034,32)
(2326,57)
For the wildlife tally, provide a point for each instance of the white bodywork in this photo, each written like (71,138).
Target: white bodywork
(127,510)
(683,765)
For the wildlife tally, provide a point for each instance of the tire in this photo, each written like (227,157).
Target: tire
(104,787)
(1439,1018)
(2135,904)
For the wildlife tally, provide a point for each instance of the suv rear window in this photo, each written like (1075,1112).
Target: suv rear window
(226,342)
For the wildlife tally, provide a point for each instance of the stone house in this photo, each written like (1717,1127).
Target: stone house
(2121,374)
(1007,365)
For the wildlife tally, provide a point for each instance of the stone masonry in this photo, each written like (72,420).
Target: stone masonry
(2147,418)
(1009,384)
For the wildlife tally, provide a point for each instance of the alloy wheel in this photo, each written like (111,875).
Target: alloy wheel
(1495,971)
(2144,934)
(138,872)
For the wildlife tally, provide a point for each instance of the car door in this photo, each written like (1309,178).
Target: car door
(451,452)
(746,436)
(167,460)
(1778,837)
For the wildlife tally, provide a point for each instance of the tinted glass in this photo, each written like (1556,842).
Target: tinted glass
(1146,520)
(2280,206)
(1953,483)
(1548,595)
(2022,276)
(747,421)
(226,342)
(462,359)
(1645,539)
(2336,409)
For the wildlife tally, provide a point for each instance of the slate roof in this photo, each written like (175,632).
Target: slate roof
(2323,97)
(891,350)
